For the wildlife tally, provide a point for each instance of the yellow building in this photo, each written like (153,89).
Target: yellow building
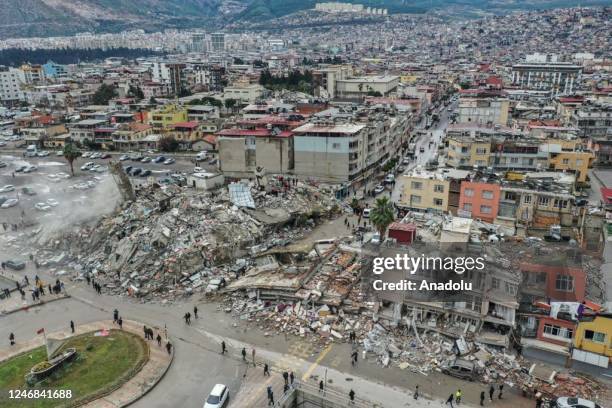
(579,162)
(167,116)
(425,190)
(593,340)
(468,152)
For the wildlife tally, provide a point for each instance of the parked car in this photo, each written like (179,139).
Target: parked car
(127,169)
(3,164)
(571,402)
(42,153)
(401,169)
(366,212)
(379,189)
(30,168)
(159,159)
(145,173)
(212,161)
(198,170)
(21,168)
(169,161)
(389,179)
(106,156)
(15,264)
(422,150)
(218,397)
(52,202)
(124,157)
(88,165)
(11,202)
(145,159)
(42,207)
(59,153)
(86,155)
(136,171)
(136,157)
(461,368)
(7,188)
(28,191)
(201,156)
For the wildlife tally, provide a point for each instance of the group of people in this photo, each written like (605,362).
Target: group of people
(148,335)
(458,395)
(97,287)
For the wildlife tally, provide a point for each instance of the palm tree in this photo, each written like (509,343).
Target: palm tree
(382,215)
(70,154)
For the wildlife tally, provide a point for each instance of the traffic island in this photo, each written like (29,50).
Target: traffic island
(110,367)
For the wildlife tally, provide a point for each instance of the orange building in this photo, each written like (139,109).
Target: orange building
(479,200)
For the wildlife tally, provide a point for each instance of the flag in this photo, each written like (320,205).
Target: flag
(40,331)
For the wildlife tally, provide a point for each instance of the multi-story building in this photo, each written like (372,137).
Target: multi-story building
(166,116)
(483,107)
(217,42)
(130,135)
(479,200)
(428,191)
(10,86)
(324,79)
(85,130)
(545,73)
(32,74)
(360,87)
(244,93)
(593,121)
(593,340)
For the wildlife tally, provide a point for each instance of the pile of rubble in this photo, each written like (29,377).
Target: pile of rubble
(172,241)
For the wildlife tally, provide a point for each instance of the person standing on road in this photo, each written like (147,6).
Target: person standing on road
(291,378)
(458,396)
(158,340)
(115,315)
(120,321)
(271,398)
(491,392)
(186,317)
(169,347)
(321,386)
(253,356)
(352,396)
(450,399)
(195,312)
(416,393)
(286,377)
(243,354)
(482,398)
(501,391)
(12,339)
(223,347)
(72,326)
(266,370)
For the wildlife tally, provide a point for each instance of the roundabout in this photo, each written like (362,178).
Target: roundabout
(100,365)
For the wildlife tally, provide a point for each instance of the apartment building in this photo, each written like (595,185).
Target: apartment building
(324,79)
(479,200)
(130,135)
(428,191)
(593,340)
(166,116)
(10,86)
(244,93)
(85,129)
(593,121)
(360,87)
(546,73)
(483,107)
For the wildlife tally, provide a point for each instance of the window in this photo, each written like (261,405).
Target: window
(468,192)
(558,331)
(487,194)
(481,150)
(564,283)
(510,289)
(514,160)
(527,199)
(560,203)
(595,336)
(438,201)
(438,188)
(485,209)
(510,195)
(415,199)
(566,161)
(335,145)
(416,185)
(467,206)
(495,283)
(543,200)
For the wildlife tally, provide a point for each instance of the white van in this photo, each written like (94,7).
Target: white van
(201,156)
(389,179)
(31,151)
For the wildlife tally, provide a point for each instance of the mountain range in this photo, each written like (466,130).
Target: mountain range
(27,18)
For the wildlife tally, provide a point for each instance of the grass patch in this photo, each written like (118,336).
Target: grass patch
(101,365)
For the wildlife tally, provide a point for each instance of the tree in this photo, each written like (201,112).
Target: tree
(104,94)
(136,92)
(382,215)
(152,100)
(71,153)
(230,103)
(168,144)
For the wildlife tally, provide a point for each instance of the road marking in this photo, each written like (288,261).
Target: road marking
(316,362)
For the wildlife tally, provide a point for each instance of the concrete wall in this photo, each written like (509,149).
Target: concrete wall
(232,156)
(274,155)
(326,158)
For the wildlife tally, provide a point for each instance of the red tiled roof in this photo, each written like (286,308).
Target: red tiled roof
(188,125)
(400,226)
(571,99)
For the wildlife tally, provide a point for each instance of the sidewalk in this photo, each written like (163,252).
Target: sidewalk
(15,304)
(150,374)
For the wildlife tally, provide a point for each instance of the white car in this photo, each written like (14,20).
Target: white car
(87,165)
(11,202)
(379,189)
(95,167)
(366,212)
(42,153)
(63,175)
(7,188)
(59,153)
(389,179)
(86,154)
(95,156)
(218,397)
(571,402)
(30,168)
(42,207)
(198,170)
(52,202)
